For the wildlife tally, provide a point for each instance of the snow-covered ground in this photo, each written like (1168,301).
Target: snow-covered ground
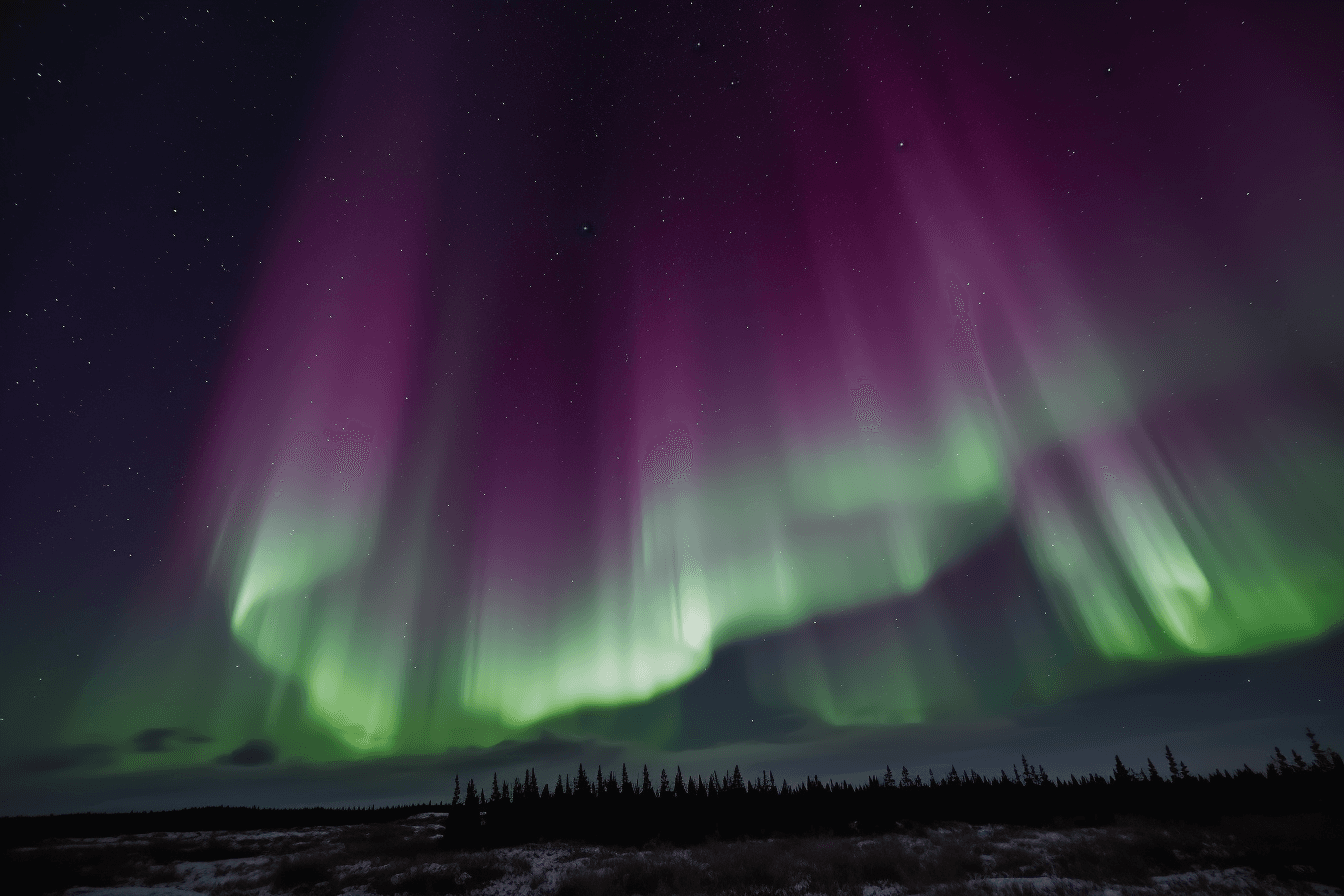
(408,857)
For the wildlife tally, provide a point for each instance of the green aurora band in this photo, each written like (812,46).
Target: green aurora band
(429,515)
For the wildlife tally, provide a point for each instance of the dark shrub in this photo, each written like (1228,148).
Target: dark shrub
(303,871)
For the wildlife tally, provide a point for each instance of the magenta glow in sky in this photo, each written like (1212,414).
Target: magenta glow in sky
(568,364)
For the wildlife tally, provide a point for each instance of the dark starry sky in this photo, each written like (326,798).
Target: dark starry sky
(142,150)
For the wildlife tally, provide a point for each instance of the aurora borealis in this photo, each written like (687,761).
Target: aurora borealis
(934,363)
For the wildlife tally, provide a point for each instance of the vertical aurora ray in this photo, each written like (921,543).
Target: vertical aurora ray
(1169,552)
(313,416)
(834,335)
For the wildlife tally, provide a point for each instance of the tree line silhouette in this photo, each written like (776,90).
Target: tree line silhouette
(611,809)
(605,807)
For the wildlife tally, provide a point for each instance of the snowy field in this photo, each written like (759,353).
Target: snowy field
(409,857)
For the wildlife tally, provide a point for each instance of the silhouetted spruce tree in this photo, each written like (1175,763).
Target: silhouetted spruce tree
(1152,772)
(737,784)
(1171,764)
(905,778)
(646,786)
(494,789)
(581,782)
(626,788)
(663,788)
(678,784)
(1319,760)
(888,780)
(1324,759)
(472,801)
(457,790)
(1122,775)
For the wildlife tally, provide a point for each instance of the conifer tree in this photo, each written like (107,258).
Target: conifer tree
(678,785)
(1122,774)
(1325,758)
(626,789)
(457,790)
(737,779)
(471,793)
(1152,772)
(888,780)
(1171,764)
(646,787)
(494,789)
(581,782)
(663,789)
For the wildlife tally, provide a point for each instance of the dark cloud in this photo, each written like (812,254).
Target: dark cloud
(161,740)
(254,752)
(85,756)
(545,749)
(153,740)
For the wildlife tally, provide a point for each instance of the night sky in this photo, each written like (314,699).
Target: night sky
(398,390)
